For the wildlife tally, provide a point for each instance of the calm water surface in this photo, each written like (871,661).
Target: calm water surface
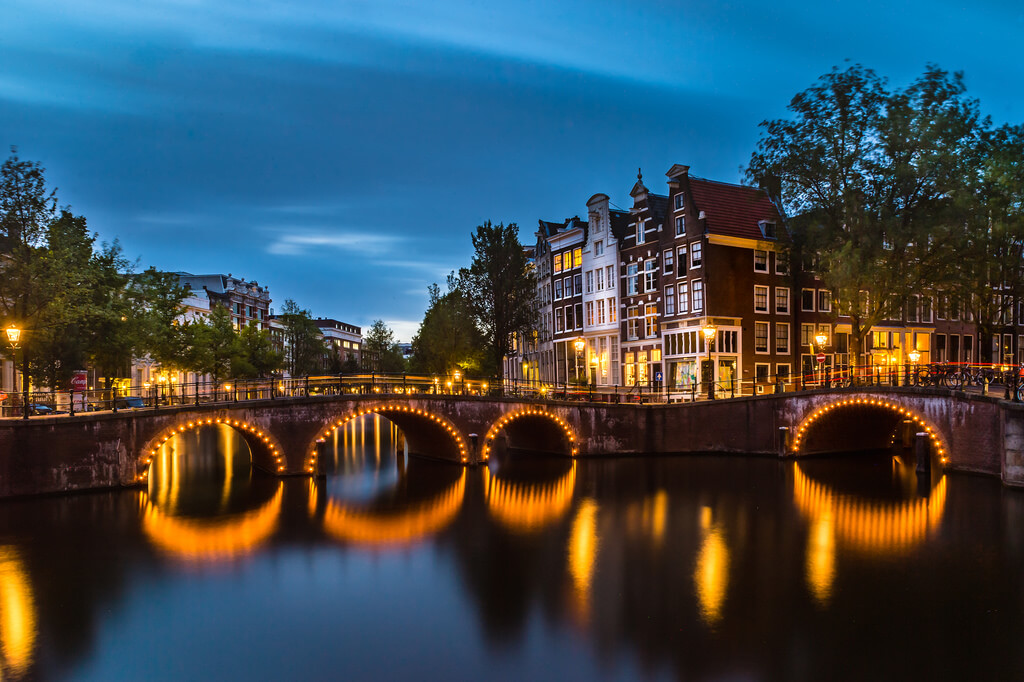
(396,568)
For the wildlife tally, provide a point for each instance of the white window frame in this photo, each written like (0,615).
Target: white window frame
(765,252)
(697,302)
(786,310)
(761,288)
(778,327)
(766,350)
(696,255)
(814,296)
(680,225)
(670,300)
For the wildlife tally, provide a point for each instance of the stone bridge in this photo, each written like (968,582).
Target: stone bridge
(964,432)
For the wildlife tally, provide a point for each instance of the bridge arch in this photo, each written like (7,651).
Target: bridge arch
(427,434)
(266,451)
(532,428)
(840,425)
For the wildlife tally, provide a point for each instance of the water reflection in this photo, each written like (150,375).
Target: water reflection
(17,614)
(582,553)
(526,506)
(711,571)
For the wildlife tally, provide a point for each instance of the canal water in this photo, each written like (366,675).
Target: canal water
(532,568)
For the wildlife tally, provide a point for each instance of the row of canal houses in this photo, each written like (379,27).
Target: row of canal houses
(624,297)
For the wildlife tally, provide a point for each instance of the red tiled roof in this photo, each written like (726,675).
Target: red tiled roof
(733,210)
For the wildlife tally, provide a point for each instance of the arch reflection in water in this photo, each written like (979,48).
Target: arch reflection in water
(582,550)
(18,626)
(711,569)
(377,496)
(199,507)
(868,526)
(529,506)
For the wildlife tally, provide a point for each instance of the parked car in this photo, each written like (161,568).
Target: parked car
(39,410)
(129,403)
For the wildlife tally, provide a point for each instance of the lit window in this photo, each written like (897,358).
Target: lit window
(651,320)
(577,257)
(782,300)
(761,337)
(782,337)
(760,299)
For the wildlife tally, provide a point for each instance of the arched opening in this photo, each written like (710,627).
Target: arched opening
(532,430)
(425,434)
(864,425)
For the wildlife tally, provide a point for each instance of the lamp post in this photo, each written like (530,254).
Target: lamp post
(820,338)
(579,344)
(709,330)
(914,356)
(14,336)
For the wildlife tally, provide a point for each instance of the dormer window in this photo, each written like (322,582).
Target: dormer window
(767,228)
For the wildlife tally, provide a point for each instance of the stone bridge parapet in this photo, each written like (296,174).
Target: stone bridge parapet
(97,450)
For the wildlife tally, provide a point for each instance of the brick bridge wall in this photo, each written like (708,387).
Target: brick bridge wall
(972,433)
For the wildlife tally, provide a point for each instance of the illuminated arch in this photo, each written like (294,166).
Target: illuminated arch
(529,507)
(387,410)
(869,525)
(250,433)
(897,410)
(509,417)
(206,541)
(364,526)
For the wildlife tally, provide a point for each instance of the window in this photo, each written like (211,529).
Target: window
(680,202)
(781,263)
(600,310)
(668,260)
(767,229)
(807,300)
(698,295)
(760,261)
(760,299)
(577,257)
(632,280)
(599,248)
(579,316)
(680,225)
(632,322)
(942,307)
(670,300)
(577,284)
(559,320)
(600,278)
(695,254)
(681,253)
(568,287)
(611,310)
(569,324)
(782,371)
(782,337)
(558,262)
(590,313)
(650,275)
(760,337)
(806,335)
(824,300)
(651,320)
(762,372)
(782,300)
(926,309)
(640,231)
(558,289)
(609,275)
(590,281)
(684,297)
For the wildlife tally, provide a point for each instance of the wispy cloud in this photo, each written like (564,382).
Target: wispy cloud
(301,243)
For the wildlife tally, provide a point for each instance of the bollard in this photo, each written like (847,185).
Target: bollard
(783,441)
(907,426)
(921,452)
(984,386)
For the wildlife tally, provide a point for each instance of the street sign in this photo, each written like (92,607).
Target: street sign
(821,358)
(658,376)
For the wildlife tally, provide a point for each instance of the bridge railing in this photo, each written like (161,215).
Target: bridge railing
(1003,380)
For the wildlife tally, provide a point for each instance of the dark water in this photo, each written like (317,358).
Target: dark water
(395,568)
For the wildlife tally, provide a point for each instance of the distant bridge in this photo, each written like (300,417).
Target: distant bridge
(94,450)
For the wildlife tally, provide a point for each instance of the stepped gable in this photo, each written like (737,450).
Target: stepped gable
(733,210)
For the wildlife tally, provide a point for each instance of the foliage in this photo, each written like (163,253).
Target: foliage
(447,338)
(304,346)
(212,344)
(257,357)
(877,185)
(499,290)
(380,351)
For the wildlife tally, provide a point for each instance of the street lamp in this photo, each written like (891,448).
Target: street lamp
(456,376)
(14,336)
(709,330)
(820,338)
(914,355)
(579,344)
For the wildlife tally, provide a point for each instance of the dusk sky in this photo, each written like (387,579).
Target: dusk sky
(342,152)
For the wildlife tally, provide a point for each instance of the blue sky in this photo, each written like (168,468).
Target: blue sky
(342,152)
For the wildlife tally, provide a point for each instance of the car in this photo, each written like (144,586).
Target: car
(39,410)
(129,403)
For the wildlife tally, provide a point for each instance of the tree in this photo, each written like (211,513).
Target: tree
(213,343)
(500,290)
(257,357)
(380,351)
(875,186)
(447,337)
(304,346)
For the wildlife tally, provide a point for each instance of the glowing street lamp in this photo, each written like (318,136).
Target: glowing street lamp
(14,336)
(579,344)
(709,330)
